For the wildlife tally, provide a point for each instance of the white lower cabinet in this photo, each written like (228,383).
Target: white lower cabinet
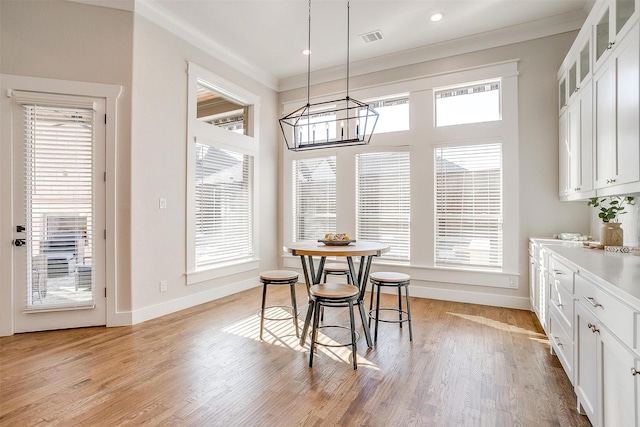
(605,382)
(595,332)
(619,396)
(585,365)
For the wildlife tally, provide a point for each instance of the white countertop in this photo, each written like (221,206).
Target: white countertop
(620,271)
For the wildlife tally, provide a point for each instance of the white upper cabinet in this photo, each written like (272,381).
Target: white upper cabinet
(599,95)
(576,127)
(617,113)
(612,20)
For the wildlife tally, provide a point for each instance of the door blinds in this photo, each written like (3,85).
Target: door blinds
(58,183)
(468,199)
(224,205)
(383,201)
(314,198)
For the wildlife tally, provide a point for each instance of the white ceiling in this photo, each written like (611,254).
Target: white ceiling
(267,36)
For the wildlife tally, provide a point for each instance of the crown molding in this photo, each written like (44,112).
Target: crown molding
(515,34)
(161,17)
(127,5)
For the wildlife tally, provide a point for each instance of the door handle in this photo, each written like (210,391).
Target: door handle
(20,228)
(19,242)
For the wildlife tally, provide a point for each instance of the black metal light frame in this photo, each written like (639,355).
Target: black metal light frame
(348,121)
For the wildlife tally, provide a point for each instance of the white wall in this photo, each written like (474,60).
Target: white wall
(540,211)
(80,42)
(76,42)
(158,158)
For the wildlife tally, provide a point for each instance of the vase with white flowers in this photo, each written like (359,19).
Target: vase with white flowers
(611,234)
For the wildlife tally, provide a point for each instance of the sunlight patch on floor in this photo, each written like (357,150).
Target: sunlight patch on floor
(283,334)
(499,325)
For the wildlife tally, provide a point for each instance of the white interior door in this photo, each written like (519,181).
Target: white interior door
(58,211)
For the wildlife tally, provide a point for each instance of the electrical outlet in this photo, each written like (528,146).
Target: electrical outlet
(513,283)
(163,203)
(163,285)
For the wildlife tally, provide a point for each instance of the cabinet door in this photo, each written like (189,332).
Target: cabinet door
(580,142)
(618,389)
(602,35)
(614,21)
(627,154)
(605,118)
(563,159)
(585,376)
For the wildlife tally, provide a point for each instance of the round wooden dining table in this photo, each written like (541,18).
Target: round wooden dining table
(366,250)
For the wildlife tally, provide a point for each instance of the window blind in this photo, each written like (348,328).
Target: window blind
(383,201)
(224,206)
(469,206)
(58,183)
(314,198)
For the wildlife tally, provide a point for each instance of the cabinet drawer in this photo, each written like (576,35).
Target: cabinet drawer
(561,301)
(562,273)
(562,344)
(612,313)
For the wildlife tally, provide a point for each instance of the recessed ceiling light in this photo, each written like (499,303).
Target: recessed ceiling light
(306,52)
(437,16)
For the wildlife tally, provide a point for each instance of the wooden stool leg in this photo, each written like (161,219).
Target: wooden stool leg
(295,308)
(353,336)
(264,300)
(406,291)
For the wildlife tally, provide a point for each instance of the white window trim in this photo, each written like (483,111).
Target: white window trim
(420,139)
(110,93)
(222,138)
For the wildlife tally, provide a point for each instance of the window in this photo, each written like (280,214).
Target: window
(224,205)
(468,104)
(468,218)
(314,197)
(220,110)
(222,154)
(393,114)
(383,200)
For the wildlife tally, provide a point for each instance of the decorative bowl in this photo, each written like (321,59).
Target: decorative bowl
(330,242)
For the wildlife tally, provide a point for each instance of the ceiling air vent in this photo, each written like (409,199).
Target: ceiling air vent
(372,36)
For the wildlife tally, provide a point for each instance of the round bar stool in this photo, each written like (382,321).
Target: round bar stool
(279,277)
(334,269)
(392,280)
(332,295)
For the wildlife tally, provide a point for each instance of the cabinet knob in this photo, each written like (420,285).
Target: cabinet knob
(557,272)
(610,45)
(557,340)
(576,189)
(576,90)
(634,372)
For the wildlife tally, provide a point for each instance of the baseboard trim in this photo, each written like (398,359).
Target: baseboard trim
(174,305)
(507,301)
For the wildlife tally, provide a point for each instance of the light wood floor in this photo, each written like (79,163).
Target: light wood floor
(468,365)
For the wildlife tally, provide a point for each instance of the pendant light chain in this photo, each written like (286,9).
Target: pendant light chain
(309,60)
(348,21)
